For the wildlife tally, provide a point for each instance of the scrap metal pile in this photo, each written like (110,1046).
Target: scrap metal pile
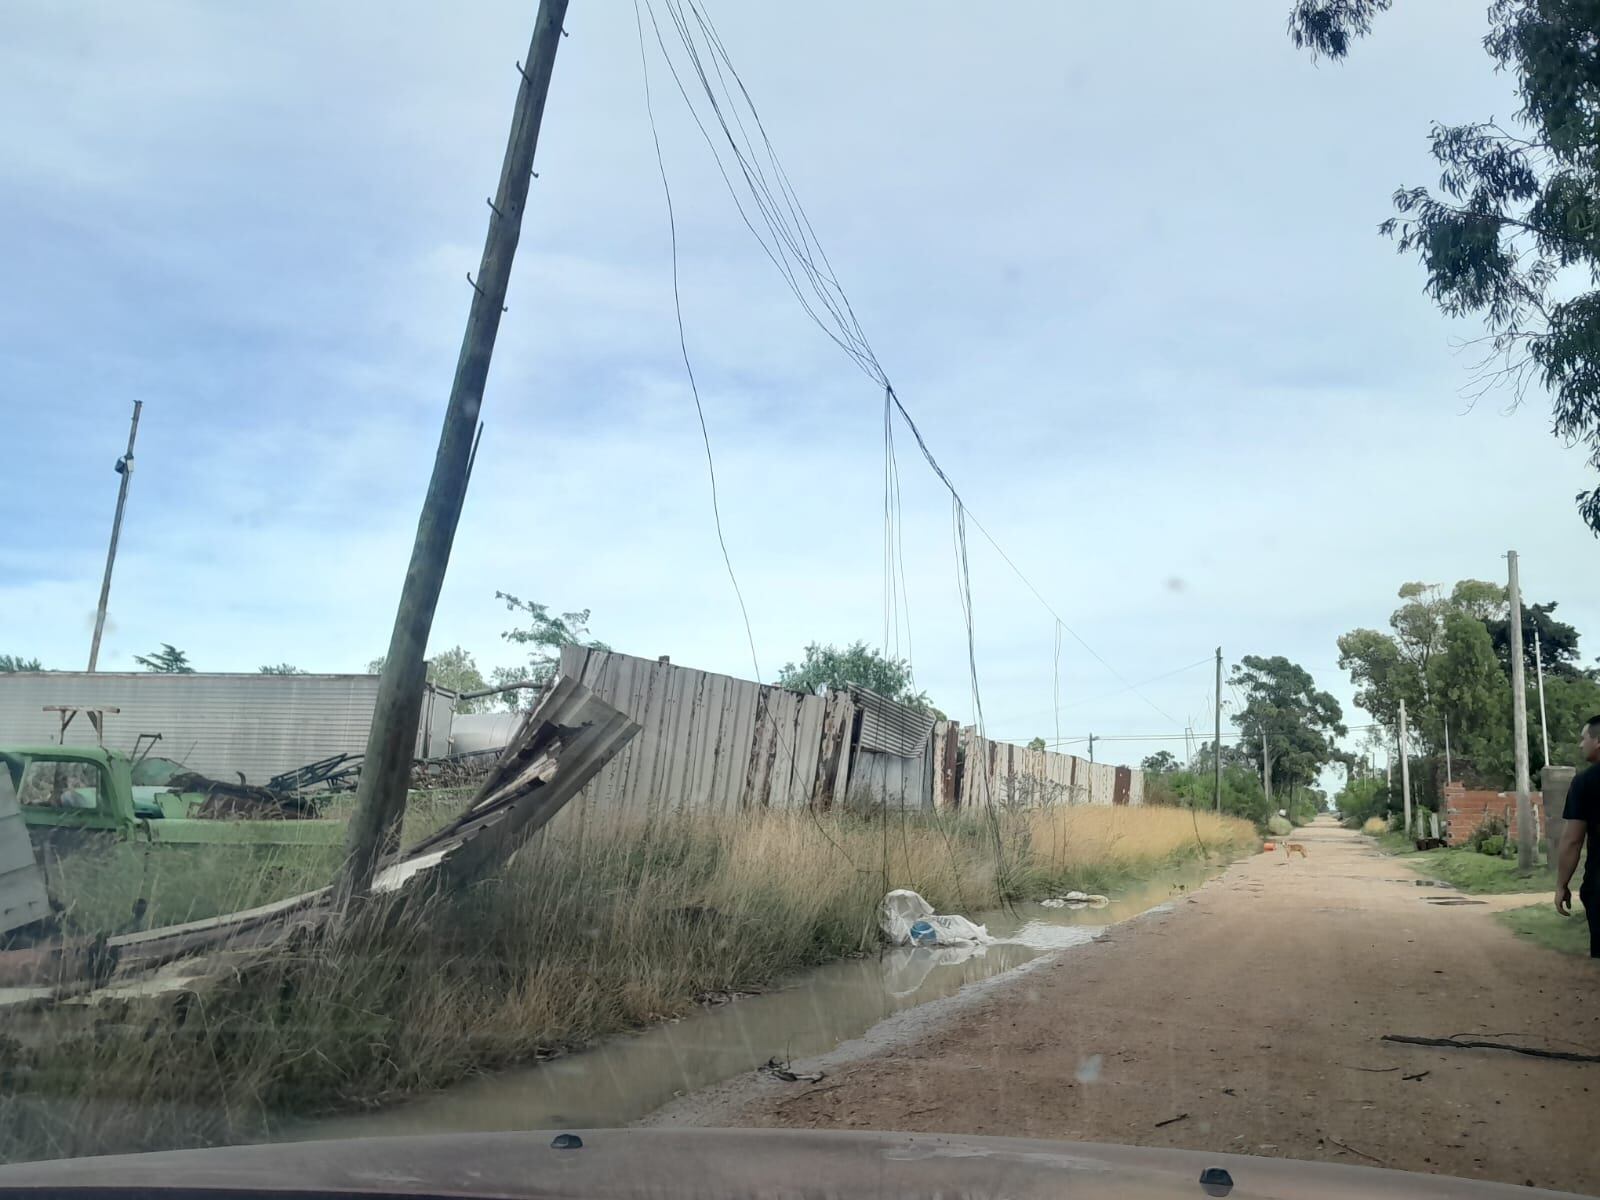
(558,748)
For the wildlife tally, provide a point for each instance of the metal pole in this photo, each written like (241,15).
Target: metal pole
(1544,728)
(1447,776)
(1519,719)
(1405,768)
(391,741)
(125,469)
(1216,738)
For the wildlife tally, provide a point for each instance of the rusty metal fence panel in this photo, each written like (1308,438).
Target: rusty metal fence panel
(1011,776)
(713,743)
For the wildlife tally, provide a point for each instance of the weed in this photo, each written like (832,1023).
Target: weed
(595,927)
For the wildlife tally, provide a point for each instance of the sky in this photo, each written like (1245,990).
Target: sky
(1120,261)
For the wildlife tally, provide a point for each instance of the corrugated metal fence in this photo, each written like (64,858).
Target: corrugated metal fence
(713,742)
(721,744)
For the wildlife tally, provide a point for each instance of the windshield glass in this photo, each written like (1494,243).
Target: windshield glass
(1024,573)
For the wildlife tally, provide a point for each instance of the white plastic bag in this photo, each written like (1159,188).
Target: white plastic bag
(902,909)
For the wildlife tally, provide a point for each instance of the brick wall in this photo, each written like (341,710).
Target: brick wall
(1464,811)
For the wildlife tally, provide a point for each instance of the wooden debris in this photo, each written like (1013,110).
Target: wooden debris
(1461,1044)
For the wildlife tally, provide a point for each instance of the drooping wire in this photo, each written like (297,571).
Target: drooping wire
(791,242)
(683,347)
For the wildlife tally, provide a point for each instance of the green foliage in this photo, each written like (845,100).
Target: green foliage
(1493,829)
(454,669)
(1569,702)
(1493,846)
(1558,641)
(1299,721)
(544,636)
(1361,799)
(283,669)
(1542,925)
(1036,744)
(10,663)
(1512,234)
(828,668)
(1194,787)
(168,660)
(1447,657)
(1281,826)
(1161,762)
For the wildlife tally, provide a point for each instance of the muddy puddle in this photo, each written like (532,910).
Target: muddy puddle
(625,1078)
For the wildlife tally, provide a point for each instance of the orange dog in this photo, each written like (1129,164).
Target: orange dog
(1290,849)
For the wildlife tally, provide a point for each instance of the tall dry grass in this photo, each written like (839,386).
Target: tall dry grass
(592,929)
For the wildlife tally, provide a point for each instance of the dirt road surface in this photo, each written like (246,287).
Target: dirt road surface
(1248,1019)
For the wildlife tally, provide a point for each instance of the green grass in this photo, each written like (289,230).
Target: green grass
(1467,870)
(1543,925)
(99,877)
(594,928)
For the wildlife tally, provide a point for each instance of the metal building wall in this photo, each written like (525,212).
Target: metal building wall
(711,742)
(217,724)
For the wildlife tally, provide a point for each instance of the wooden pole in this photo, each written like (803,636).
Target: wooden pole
(1091,768)
(1266,772)
(1216,738)
(1519,719)
(391,743)
(125,469)
(1544,727)
(1405,767)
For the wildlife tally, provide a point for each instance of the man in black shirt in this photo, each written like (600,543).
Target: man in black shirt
(1582,816)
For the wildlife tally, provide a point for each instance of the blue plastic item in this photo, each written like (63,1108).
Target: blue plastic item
(923,934)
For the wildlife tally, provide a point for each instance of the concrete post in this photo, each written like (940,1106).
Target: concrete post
(1554,782)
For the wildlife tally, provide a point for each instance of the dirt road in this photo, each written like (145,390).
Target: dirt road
(1248,1019)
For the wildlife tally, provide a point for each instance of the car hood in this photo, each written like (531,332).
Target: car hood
(623,1164)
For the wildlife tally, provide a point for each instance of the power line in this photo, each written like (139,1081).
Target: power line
(683,347)
(792,240)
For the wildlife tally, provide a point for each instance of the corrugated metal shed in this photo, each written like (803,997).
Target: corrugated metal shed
(712,742)
(23,899)
(890,726)
(217,724)
(895,757)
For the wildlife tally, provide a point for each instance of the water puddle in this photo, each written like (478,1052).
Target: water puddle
(631,1075)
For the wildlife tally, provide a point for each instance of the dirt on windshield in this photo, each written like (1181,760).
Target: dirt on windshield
(1248,1018)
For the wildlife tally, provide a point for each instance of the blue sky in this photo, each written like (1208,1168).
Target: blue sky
(1121,262)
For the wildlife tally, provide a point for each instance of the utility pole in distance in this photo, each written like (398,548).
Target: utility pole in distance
(1266,772)
(1544,726)
(125,469)
(1091,768)
(1519,719)
(391,742)
(1405,767)
(1216,739)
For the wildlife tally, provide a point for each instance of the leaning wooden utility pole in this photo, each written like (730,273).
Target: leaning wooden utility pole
(125,469)
(391,743)
(1519,719)
(1216,738)
(1405,767)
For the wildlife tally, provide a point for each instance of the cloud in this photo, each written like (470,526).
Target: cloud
(1122,269)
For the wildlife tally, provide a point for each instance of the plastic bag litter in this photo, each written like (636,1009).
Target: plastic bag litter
(1076,900)
(908,920)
